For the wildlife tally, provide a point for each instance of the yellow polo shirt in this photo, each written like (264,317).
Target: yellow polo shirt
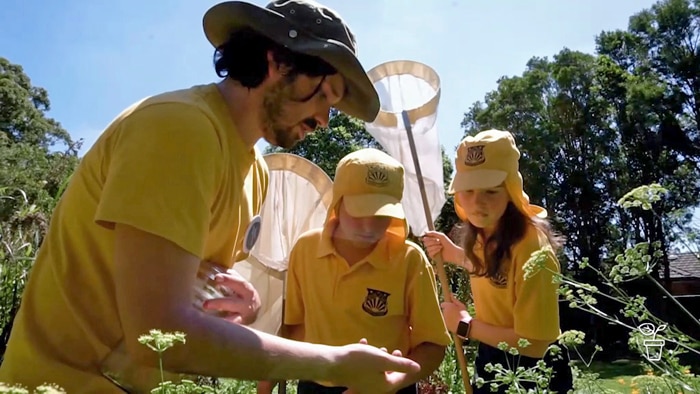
(390,297)
(531,306)
(172,165)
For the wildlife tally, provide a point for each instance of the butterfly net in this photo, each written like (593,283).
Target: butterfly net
(298,197)
(413,88)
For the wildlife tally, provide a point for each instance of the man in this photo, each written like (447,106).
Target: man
(173,181)
(359,277)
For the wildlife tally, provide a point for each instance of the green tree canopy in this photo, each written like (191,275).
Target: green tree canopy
(29,141)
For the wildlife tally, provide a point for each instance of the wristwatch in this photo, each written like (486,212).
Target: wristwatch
(463,329)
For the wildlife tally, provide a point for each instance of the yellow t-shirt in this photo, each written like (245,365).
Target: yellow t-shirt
(389,298)
(531,306)
(172,165)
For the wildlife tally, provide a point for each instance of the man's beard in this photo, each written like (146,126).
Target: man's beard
(273,103)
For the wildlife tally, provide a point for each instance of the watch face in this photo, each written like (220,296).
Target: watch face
(462,328)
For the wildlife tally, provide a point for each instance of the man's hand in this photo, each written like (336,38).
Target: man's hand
(242,302)
(366,369)
(396,380)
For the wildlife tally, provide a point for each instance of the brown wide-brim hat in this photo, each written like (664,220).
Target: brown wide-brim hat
(306,27)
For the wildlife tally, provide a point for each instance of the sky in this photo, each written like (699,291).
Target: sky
(96,57)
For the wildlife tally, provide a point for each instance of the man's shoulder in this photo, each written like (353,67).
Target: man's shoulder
(185,117)
(189,101)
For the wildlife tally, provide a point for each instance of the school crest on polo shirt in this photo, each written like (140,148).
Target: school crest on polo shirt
(377,176)
(475,156)
(375,303)
(500,280)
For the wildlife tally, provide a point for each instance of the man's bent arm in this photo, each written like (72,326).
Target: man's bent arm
(153,283)
(429,356)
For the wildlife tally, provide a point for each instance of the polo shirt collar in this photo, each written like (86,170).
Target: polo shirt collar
(380,257)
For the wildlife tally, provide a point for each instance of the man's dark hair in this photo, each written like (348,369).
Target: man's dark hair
(243,58)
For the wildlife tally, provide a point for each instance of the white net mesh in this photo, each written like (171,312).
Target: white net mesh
(297,201)
(415,88)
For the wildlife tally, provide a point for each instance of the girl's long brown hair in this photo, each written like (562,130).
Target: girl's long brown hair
(510,230)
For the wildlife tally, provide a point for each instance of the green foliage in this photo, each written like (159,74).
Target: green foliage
(22,111)
(32,176)
(20,237)
(28,142)
(43,389)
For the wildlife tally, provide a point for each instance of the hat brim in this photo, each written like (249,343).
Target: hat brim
(476,179)
(366,205)
(361,99)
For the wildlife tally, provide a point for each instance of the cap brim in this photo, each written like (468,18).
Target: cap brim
(361,100)
(366,205)
(477,179)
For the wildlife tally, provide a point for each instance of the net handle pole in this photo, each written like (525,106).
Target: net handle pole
(442,275)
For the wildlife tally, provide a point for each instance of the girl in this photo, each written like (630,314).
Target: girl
(502,230)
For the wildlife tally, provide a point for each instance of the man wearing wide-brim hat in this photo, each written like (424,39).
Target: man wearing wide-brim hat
(174,181)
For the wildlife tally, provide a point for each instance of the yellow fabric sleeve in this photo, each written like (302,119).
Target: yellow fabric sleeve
(425,316)
(164,170)
(536,309)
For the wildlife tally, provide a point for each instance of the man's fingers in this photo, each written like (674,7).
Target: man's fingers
(236,284)
(228,304)
(234,318)
(363,341)
(400,364)
(397,353)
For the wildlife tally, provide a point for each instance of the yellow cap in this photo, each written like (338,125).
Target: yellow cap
(489,159)
(370,183)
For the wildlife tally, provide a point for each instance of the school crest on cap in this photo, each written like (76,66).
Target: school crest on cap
(475,155)
(377,176)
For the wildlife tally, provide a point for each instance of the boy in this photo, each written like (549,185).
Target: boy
(359,279)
